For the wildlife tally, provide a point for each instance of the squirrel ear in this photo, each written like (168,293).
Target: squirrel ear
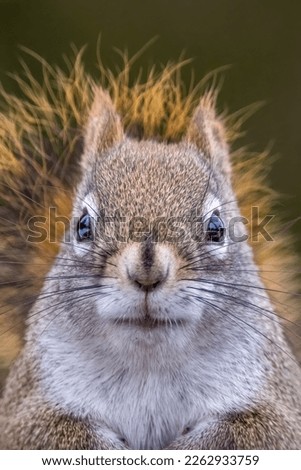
(207,132)
(104,127)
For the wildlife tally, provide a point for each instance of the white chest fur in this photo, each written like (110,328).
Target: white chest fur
(147,397)
(148,410)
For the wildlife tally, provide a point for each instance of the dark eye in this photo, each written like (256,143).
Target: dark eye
(215,231)
(84,228)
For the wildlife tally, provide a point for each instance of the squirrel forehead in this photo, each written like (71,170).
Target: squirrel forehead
(150,177)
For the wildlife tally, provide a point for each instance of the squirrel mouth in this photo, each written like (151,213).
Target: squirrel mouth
(149,322)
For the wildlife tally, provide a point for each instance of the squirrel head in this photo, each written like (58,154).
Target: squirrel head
(152,219)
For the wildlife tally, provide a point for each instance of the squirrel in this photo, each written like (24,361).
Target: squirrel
(160,334)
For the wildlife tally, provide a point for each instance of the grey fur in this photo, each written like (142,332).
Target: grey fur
(127,346)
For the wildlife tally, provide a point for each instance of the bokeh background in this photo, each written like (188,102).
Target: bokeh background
(259,39)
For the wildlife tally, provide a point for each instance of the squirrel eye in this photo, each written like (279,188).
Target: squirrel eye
(84,228)
(215,228)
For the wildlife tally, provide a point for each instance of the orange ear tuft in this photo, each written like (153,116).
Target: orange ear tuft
(207,132)
(104,128)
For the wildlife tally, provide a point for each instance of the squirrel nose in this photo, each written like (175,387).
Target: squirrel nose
(147,283)
(147,266)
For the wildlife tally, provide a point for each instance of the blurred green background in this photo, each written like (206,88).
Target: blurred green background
(260,39)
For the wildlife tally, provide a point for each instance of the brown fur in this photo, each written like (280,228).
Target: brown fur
(52,429)
(41,141)
(44,132)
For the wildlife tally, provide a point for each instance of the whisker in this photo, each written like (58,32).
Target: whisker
(62,301)
(48,295)
(248,325)
(260,310)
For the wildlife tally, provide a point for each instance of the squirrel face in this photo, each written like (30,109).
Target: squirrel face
(152,220)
